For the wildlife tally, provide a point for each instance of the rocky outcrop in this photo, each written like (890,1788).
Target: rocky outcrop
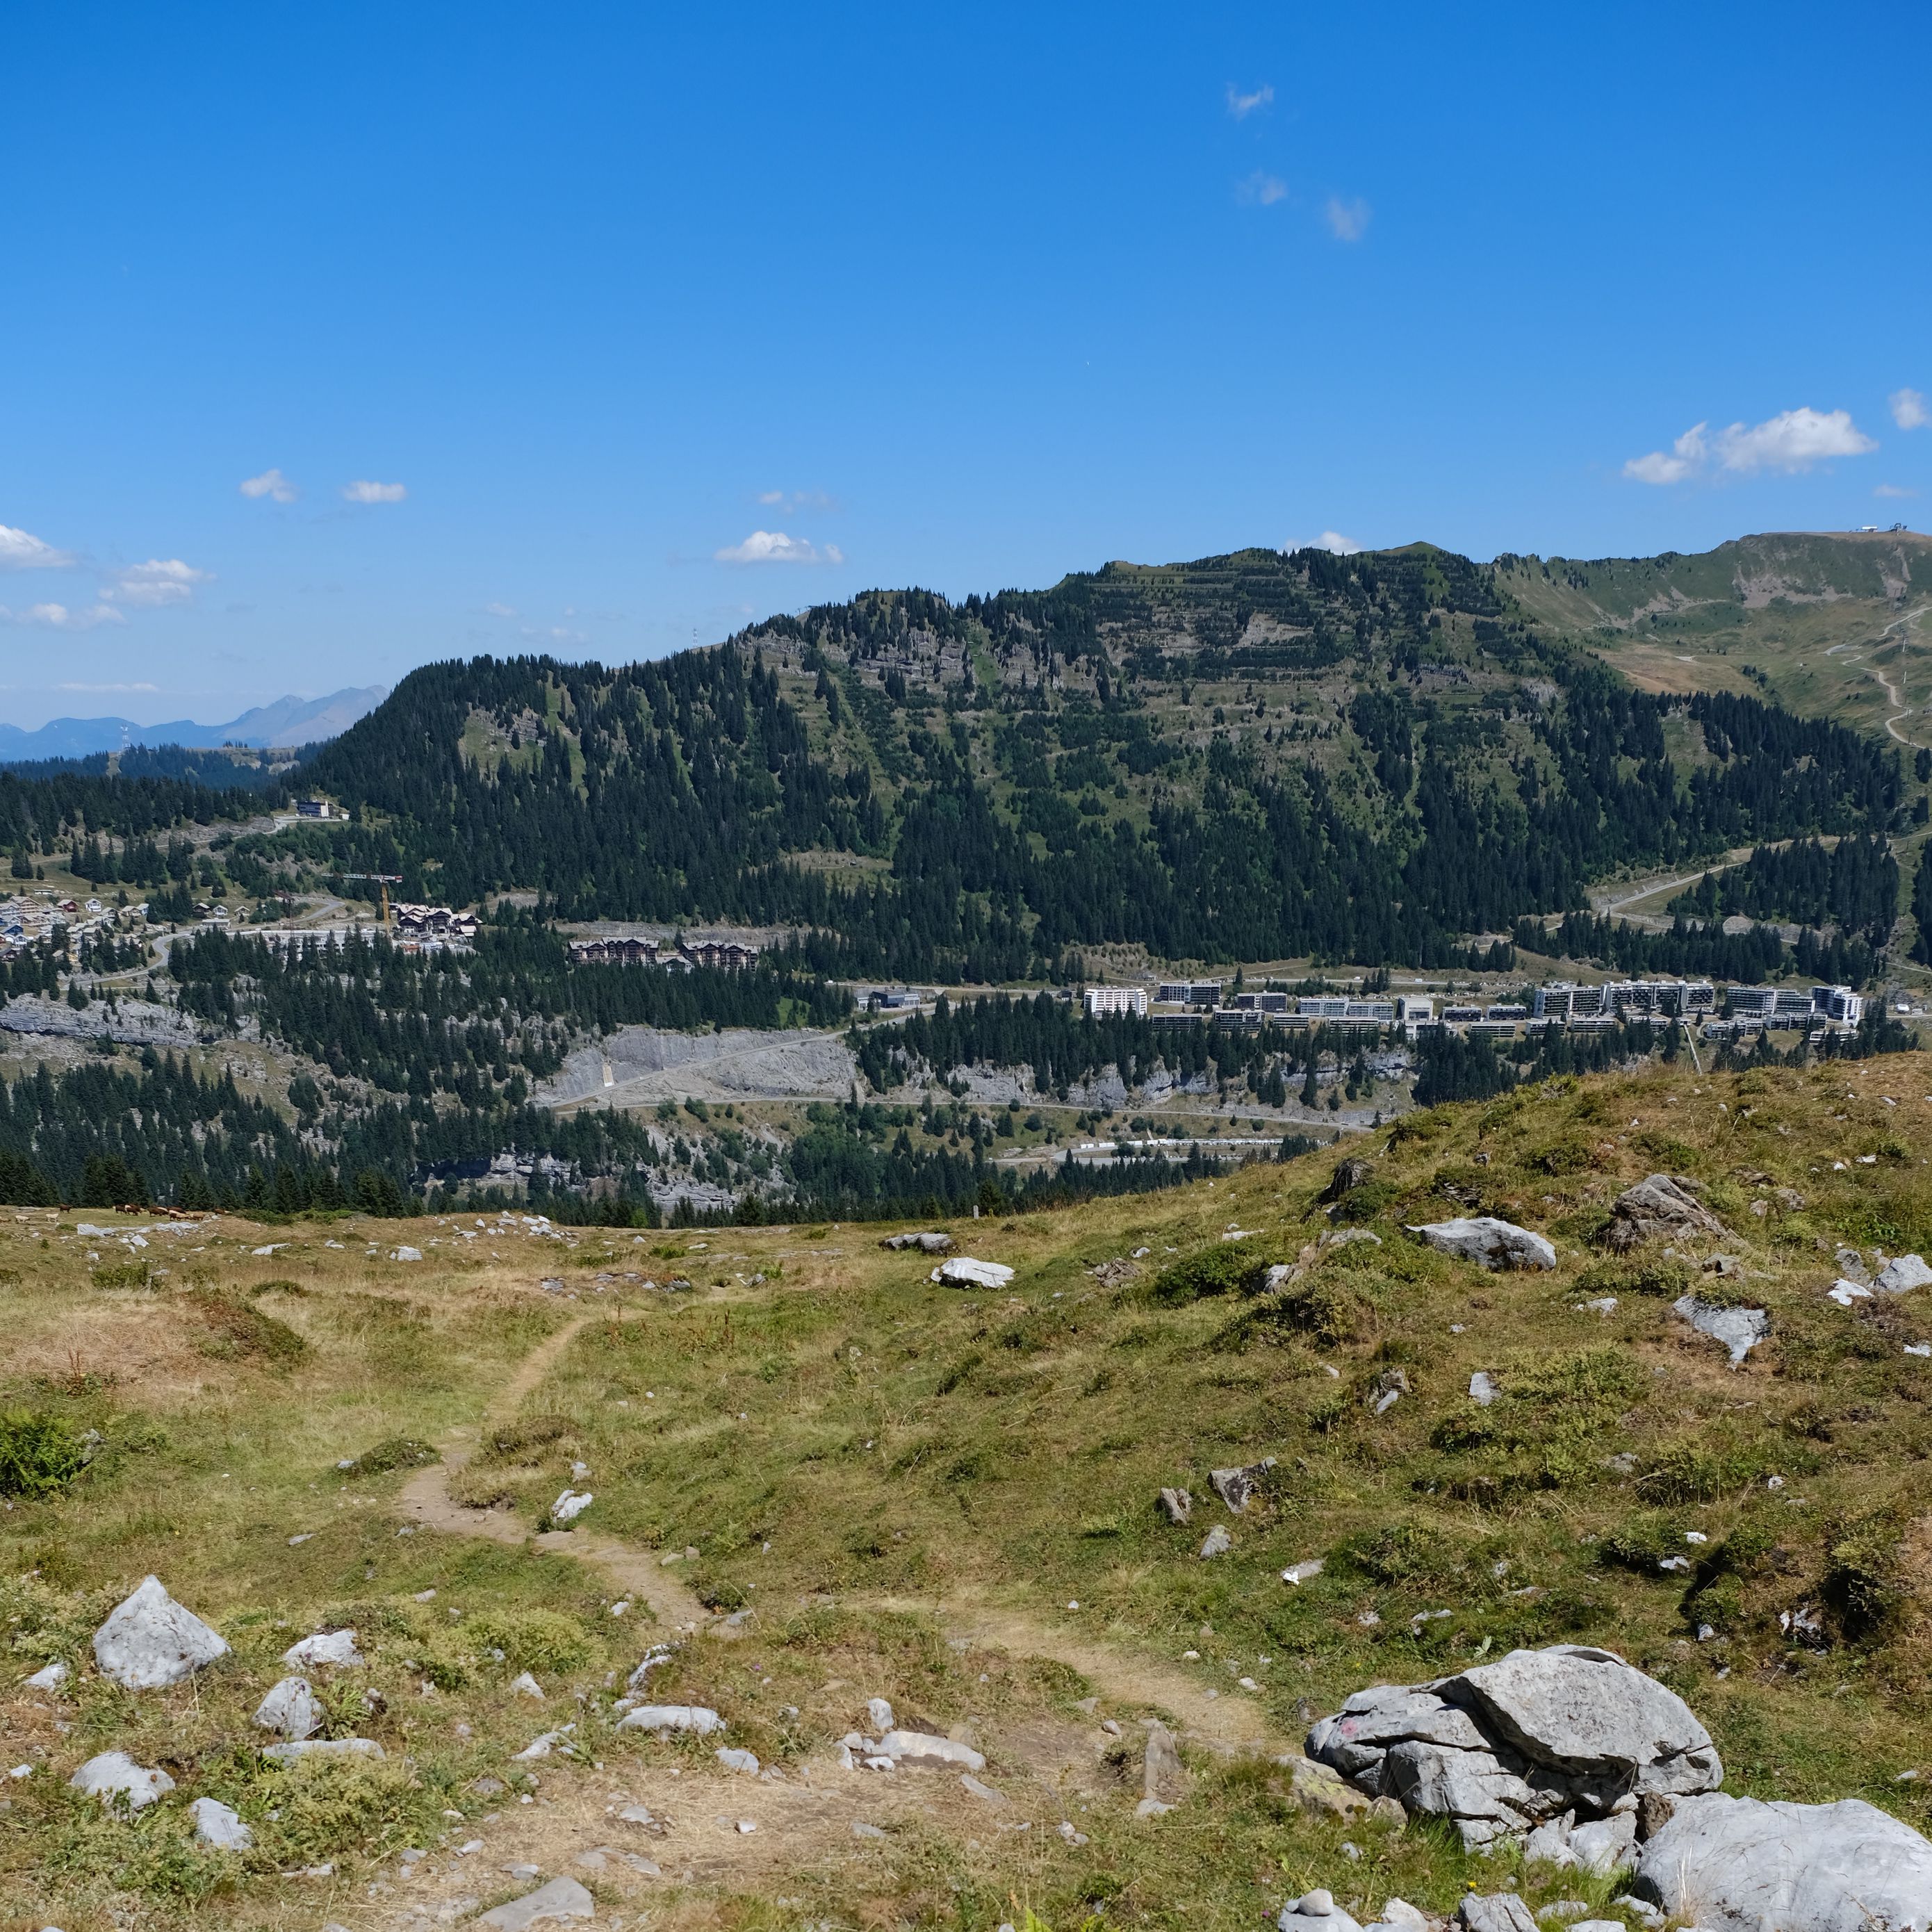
(1737,1864)
(1660,1207)
(927,1243)
(291,1709)
(964,1272)
(115,1779)
(1506,1746)
(1489,1242)
(149,1641)
(1740,1329)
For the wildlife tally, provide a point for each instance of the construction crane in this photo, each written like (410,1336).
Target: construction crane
(386,880)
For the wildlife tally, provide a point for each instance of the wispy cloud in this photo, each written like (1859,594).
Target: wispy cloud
(101,690)
(1261,189)
(777,547)
(61,617)
(1348,221)
(158,582)
(500,610)
(1792,441)
(789,502)
(20,551)
(365,492)
(1893,490)
(1333,540)
(1908,409)
(1240,105)
(272,484)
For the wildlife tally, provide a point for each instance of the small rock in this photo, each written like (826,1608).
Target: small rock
(1303,1572)
(698,1719)
(879,1715)
(1845,1292)
(334,1647)
(114,1775)
(524,1685)
(570,1506)
(1237,1487)
(1164,1778)
(1483,1390)
(1902,1275)
(1740,1329)
(405,1254)
(562,1898)
(733,1759)
(972,1788)
(1217,1542)
(919,1749)
(1178,1504)
(1315,1909)
(149,1641)
(1499,1911)
(49,1677)
(862,1830)
(291,1710)
(216,1824)
(1489,1242)
(289,1753)
(927,1243)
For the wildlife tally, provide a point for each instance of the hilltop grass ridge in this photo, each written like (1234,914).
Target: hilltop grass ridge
(948,1498)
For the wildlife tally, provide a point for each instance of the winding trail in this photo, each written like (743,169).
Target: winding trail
(1225,1720)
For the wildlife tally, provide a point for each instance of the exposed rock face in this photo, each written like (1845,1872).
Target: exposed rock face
(1741,1329)
(1736,1864)
(1237,1487)
(1660,1207)
(926,1243)
(149,1641)
(964,1272)
(1502,1748)
(1489,1242)
(562,1898)
(1349,1175)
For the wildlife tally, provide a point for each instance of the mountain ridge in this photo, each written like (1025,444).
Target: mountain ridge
(288,722)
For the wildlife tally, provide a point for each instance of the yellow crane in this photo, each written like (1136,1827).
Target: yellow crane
(386,880)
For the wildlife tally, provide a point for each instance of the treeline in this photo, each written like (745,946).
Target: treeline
(1450,1066)
(1853,885)
(1690,951)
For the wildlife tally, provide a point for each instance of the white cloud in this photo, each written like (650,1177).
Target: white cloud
(1908,409)
(1789,442)
(776,546)
(363,492)
(1262,189)
(273,484)
(148,586)
(20,551)
(1893,490)
(98,690)
(1240,105)
(60,617)
(499,611)
(789,502)
(1348,220)
(1333,540)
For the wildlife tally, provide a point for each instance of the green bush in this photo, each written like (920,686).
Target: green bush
(1662,1279)
(1865,1580)
(38,1453)
(1228,1267)
(238,1333)
(1331,1311)
(530,1639)
(1365,1203)
(331,1807)
(393,1452)
(124,1274)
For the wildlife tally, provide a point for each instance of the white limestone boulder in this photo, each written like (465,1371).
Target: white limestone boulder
(1488,1242)
(963,1271)
(113,1777)
(699,1720)
(220,1826)
(149,1641)
(291,1710)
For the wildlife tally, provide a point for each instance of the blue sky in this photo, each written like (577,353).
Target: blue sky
(603,329)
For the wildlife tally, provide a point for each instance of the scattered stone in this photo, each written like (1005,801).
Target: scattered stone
(927,1243)
(921,1750)
(972,1788)
(114,1775)
(1489,1242)
(542,1747)
(862,1830)
(291,1710)
(1349,1175)
(1740,1329)
(1164,1778)
(149,1641)
(570,1506)
(1304,1572)
(562,1898)
(1661,1208)
(335,1647)
(963,1272)
(1313,1910)
(733,1759)
(289,1753)
(1498,1912)
(1741,1863)
(49,1677)
(1237,1487)
(1217,1542)
(1845,1292)
(879,1714)
(1902,1275)
(218,1825)
(1405,1917)
(1483,1390)
(1603,1304)
(524,1685)
(699,1719)
(1852,1266)
(405,1254)
(1178,1504)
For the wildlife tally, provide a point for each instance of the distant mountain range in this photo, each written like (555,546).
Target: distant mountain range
(288,721)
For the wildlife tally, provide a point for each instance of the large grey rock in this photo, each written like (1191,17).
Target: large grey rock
(1164,1778)
(1606,1845)
(1586,1712)
(1740,1329)
(1902,1275)
(1489,1242)
(962,1271)
(698,1719)
(1497,1912)
(220,1825)
(292,1710)
(1315,1911)
(334,1647)
(562,1898)
(114,1776)
(1502,1749)
(149,1641)
(1660,1207)
(927,1243)
(298,1748)
(920,1750)
(1739,1865)
(1237,1487)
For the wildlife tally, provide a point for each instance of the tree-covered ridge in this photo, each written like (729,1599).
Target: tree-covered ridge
(1854,886)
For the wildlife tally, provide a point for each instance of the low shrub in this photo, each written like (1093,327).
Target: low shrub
(124,1274)
(393,1452)
(238,1333)
(38,1453)
(1228,1267)
(530,1639)
(511,1441)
